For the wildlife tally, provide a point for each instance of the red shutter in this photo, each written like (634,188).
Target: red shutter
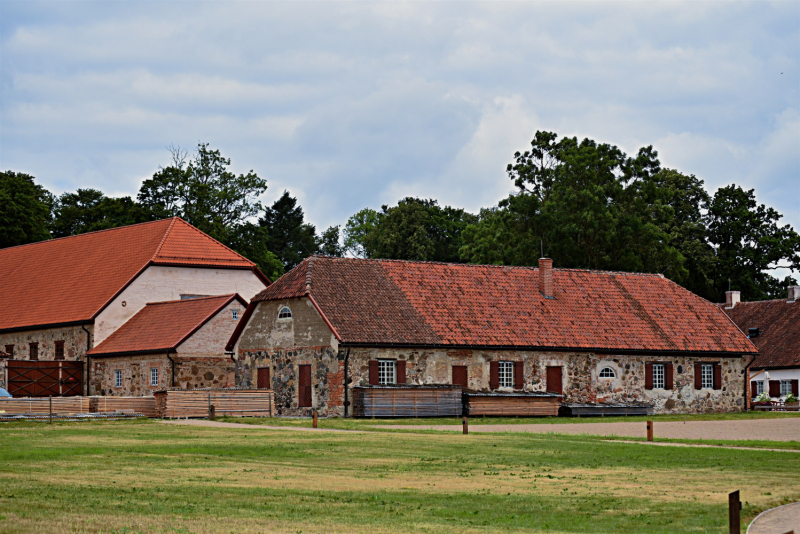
(698,376)
(753,389)
(494,375)
(667,376)
(401,371)
(460,376)
(717,376)
(795,389)
(774,388)
(518,374)
(373,372)
(648,376)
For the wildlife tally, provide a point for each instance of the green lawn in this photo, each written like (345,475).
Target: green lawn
(145,476)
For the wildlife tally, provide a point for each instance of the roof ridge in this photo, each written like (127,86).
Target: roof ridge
(195,299)
(453,263)
(203,234)
(163,239)
(309,268)
(53,239)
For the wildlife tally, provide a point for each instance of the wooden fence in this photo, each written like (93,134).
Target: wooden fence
(407,401)
(510,404)
(176,403)
(143,405)
(41,405)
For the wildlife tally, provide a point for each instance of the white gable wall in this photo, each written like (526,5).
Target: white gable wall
(158,283)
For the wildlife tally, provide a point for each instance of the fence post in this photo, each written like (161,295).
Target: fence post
(51,409)
(465,426)
(211,412)
(649,431)
(314,418)
(734,512)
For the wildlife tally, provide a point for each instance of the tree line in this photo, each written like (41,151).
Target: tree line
(582,203)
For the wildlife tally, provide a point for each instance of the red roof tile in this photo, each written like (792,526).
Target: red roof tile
(778,322)
(162,326)
(70,280)
(425,303)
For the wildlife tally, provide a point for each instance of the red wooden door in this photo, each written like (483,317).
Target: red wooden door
(304,389)
(460,376)
(263,378)
(554,380)
(44,378)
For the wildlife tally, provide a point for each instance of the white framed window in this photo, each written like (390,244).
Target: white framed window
(118,378)
(607,372)
(506,374)
(707,375)
(285,313)
(759,388)
(658,376)
(154,376)
(386,372)
(234,314)
(786,387)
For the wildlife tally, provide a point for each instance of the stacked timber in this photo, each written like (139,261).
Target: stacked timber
(407,401)
(178,403)
(143,405)
(510,404)
(41,405)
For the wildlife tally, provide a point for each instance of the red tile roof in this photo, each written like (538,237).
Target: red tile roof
(162,326)
(424,303)
(70,280)
(778,340)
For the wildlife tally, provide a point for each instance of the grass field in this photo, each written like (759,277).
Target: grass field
(144,476)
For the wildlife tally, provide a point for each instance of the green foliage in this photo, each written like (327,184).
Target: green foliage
(415,229)
(88,210)
(203,192)
(748,241)
(329,243)
(289,237)
(250,240)
(24,210)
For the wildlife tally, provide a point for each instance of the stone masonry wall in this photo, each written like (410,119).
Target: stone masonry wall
(74,339)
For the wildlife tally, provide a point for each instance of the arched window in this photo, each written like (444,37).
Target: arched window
(285,313)
(607,372)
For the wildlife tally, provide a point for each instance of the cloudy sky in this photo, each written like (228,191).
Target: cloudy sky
(349,105)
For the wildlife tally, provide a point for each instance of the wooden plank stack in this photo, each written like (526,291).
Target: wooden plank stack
(178,403)
(143,405)
(41,405)
(407,401)
(510,404)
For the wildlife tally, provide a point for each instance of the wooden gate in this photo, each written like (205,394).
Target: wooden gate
(44,378)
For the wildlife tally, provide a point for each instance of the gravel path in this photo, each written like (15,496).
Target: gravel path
(777,521)
(787,429)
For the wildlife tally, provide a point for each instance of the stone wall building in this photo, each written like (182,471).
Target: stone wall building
(774,328)
(168,344)
(62,297)
(595,337)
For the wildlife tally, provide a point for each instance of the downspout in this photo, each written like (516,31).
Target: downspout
(346,360)
(173,369)
(88,348)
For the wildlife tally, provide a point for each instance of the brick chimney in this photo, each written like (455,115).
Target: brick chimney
(546,277)
(794,293)
(732,298)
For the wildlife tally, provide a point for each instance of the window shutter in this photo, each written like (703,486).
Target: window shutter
(717,376)
(668,376)
(373,372)
(648,376)
(698,376)
(494,375)
(519,368)
(795,388)
(401,371)
(774,388)
(753,389)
